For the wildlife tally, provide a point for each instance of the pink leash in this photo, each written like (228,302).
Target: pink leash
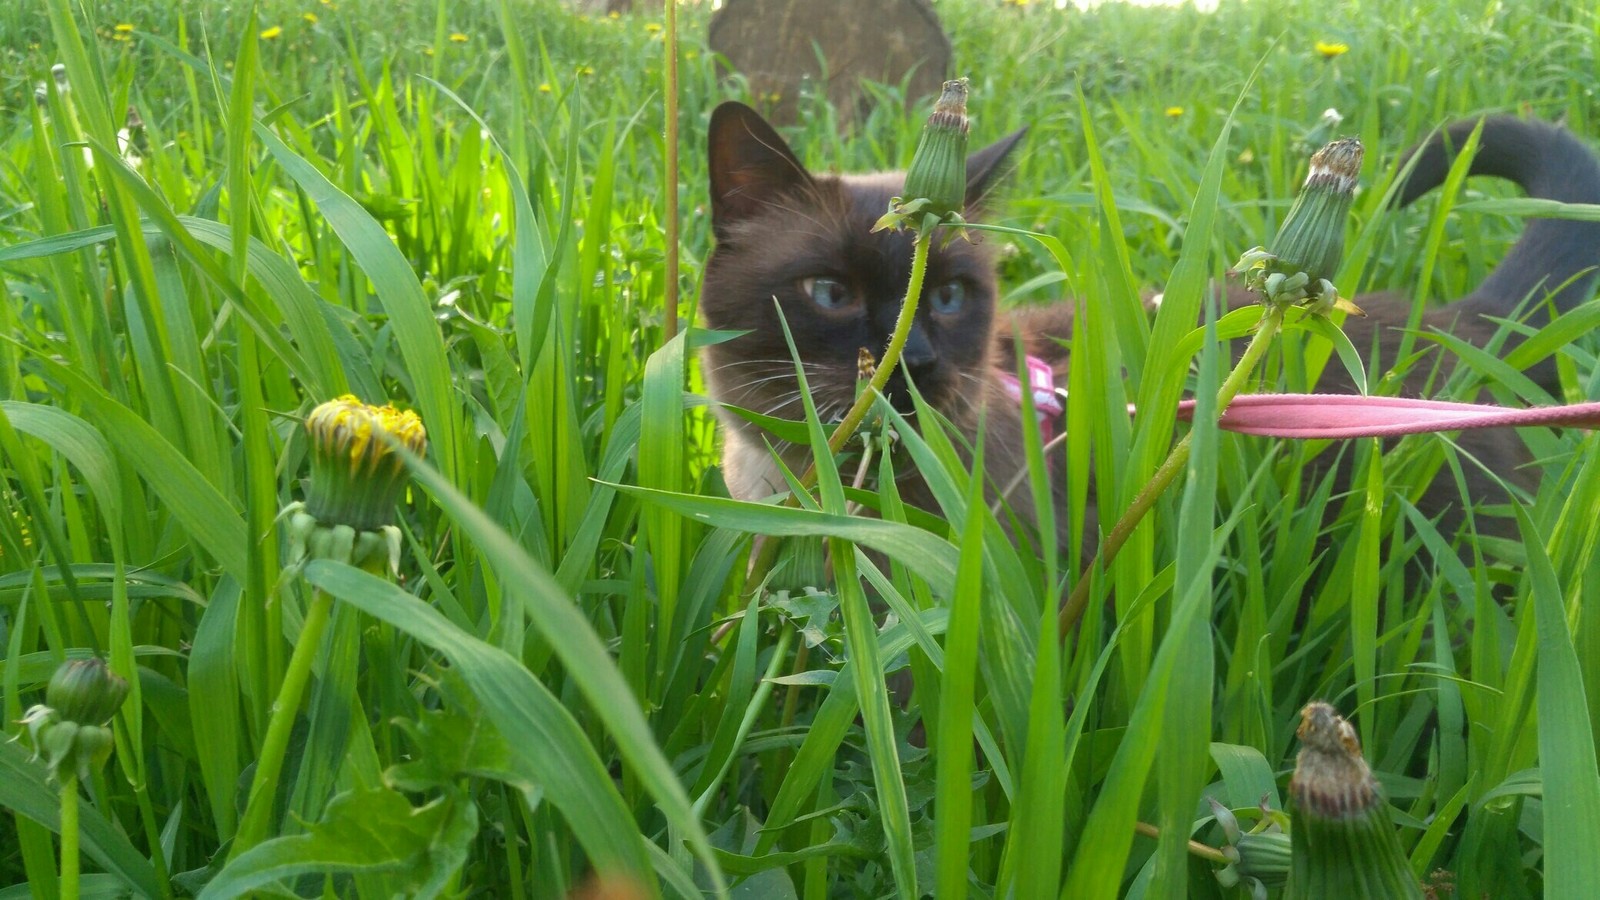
(1310,416)
(1348,416)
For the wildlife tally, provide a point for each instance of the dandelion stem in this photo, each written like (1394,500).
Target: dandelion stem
(69,837)
(264,786)
(669,319)
(768,553)
(1072,611)
(1204,851)
(891,356)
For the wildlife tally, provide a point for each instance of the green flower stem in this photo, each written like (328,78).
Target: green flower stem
(891,355)
(1168,472)
(69,836)
(258,808)
(669,320)
(768,552)
(1204,851)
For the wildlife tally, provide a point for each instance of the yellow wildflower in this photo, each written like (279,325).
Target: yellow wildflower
(1174,111)
(123,28)
(310,17)
(272,33)
(586,70)
(458,38)
(1331,49)
(355,477)
(545,88)
(652,27)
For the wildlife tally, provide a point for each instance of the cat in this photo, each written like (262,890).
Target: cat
(803,242)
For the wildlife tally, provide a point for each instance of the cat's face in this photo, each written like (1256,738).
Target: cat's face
(801,243)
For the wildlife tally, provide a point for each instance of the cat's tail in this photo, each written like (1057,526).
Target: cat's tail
(1555,258)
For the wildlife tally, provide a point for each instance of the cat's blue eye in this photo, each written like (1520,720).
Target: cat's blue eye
(828,293)
(948,297)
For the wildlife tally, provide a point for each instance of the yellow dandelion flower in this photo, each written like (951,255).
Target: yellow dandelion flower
(123,28)
(1174,111)
(458,38)
(545,88)
(272,33)
(427,51)
(653,27)
(613,15)
(586,70)
(124,38)
(355,477)
(310,17)
(1331,49)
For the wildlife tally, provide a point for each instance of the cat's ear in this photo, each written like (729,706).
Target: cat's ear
(751,166)
(986,167)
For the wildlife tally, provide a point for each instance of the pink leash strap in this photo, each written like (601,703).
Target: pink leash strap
(1348,416)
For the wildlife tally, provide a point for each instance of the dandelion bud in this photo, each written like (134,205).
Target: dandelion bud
(41,97)
(85,691)
(1297,265)
(1312,237)
(1258,859)
(938,172)
(59,73)
(1344,844)
(356,477)
(69,729)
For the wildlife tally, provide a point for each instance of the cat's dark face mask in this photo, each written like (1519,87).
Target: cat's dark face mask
(798,249)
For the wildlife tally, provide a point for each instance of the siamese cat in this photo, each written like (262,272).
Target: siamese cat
(801,241)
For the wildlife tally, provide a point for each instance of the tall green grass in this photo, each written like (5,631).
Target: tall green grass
(457,207)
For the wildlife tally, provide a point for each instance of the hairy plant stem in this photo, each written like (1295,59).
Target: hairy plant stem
(669,300)
(69,837)
(1204,851)
(846,428)
(1072,611)
(263,787)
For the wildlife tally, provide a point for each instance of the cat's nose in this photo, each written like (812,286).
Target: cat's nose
(919,355)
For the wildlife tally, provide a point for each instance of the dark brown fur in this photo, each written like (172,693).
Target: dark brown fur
(777,224)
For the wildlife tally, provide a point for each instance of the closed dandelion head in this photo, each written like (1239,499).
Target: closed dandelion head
(69,730)
(1343,843)
(936,182)
(86,691)
(1296,267)
(356,477)
(1258,859)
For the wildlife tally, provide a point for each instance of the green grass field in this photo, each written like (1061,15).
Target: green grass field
(458,208)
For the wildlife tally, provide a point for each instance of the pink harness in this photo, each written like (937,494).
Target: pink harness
(1047,403)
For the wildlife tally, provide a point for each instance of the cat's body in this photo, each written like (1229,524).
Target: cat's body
(787,238)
